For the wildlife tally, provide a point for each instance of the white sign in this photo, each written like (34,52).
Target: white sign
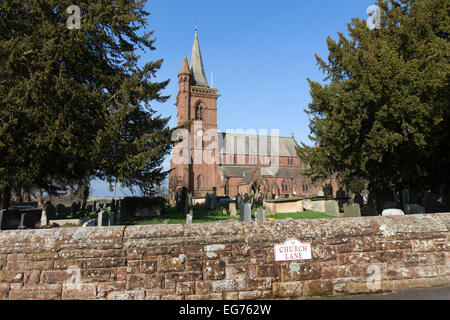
(292,250)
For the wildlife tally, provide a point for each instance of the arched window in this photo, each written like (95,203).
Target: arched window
(199,112)
(199,182)
(284,186)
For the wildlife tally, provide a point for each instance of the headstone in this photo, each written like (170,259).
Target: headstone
(238,200)
(60,210)
(429,202)
(328,191)
(89,208)
(207,201)
(232,208)
(340,194)
(261,214)
(332,208)
(392,212)
(44,220)
(405,197)
(190,217)
(214,204)
(414,209)
(246,198)
(51,211)
(120,213)
(224,212)
(247,212)
(90,223)
(111,219)
(358,199)
(102,219)
(352,210)
(94,206)
(9,219)
(241,210)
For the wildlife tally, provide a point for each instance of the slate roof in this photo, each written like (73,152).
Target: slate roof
(196,65)
(247,172)
(256,145)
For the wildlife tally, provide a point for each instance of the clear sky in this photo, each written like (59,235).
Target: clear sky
(260,53)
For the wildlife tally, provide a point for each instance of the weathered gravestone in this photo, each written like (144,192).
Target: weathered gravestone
(94,206)
(103,218)
(241,209)
(207,201)
(50,210)
(261,214)
(358,199)
(238,200)
(332,208)
(352,210)
(190,217)
(232,208)
(392,212)
(246,198)
(414,209)
(247,212)
(430,202)
(224,212)
(9,219)
(112,218)
(44,220)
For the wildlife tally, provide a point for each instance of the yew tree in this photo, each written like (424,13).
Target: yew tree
(75,99)
(382,112)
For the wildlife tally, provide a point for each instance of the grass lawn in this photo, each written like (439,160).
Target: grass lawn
(202,215)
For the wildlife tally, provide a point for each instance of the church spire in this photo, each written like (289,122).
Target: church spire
(196,64)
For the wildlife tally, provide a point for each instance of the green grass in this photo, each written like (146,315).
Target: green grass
(202,215)
(307,214)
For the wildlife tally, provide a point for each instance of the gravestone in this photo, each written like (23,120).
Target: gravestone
(9,219)
(112,219)
(358,199)
(102,219)
(28,220)
(89,208)
(430,202)
(392,212)
(414,209)
(214,204)
(246,198)
(190,217)
(50,210)
(224,212)
(60,210)
(247,212)
(232,208)
(44,220)
(241,210)
(405,197)
(120,213)
(207,201)
(90,223)
(352,210)
(332,208)
(261,214)
(328,191)
(238,200)
(94,206)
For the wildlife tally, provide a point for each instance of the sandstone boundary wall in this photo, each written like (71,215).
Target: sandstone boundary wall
(229,260)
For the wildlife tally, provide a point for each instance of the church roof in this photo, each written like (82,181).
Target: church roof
(247,172)
(185,67)
(257,145)
(196,65)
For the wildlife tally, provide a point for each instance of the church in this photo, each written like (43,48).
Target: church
(238,162)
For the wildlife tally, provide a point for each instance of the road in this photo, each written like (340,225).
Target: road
(439,293)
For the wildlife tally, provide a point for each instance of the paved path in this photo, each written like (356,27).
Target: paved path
(439,293)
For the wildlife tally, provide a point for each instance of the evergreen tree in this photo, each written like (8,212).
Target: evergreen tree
(382,114)
(75,103)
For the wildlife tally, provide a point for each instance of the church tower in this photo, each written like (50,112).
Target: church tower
(197,105)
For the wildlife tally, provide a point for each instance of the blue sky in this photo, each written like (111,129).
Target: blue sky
(260,53)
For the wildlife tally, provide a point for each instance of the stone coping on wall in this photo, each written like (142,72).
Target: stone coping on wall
(232,260)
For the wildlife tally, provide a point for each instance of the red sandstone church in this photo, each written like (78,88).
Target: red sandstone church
(242,162)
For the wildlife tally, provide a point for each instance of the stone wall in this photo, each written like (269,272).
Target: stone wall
(229,260)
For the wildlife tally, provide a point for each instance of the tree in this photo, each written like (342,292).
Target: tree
(75,103)
(383,113)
